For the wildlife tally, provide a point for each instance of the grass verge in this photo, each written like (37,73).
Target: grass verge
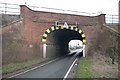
(0,70)
(17,66)
(84,69)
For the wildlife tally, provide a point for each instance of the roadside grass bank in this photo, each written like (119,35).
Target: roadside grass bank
(21,65)
(84,69)
(0,70)
(97,66)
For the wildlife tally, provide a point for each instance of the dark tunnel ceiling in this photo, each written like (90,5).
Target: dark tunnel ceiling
(64,36)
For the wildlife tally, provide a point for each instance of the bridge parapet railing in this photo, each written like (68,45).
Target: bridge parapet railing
(112,19)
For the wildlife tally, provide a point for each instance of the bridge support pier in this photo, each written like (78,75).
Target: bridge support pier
(83,50)
(44,50)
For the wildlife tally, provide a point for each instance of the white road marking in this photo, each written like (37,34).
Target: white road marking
(69,69)
(76,64)
(33,68)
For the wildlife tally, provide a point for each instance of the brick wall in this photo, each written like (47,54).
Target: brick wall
(15,47)
(39,21)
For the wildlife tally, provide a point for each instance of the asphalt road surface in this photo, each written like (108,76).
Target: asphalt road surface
(55,69)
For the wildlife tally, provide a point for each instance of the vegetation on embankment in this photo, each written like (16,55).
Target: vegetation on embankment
(97,66)
(18,66)
(84,69)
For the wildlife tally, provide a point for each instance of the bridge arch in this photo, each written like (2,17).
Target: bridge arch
(54,28)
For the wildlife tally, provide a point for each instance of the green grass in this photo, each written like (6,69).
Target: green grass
(0,70)
(17,66)
(84,69)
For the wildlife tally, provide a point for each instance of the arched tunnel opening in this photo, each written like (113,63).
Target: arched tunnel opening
(61,39)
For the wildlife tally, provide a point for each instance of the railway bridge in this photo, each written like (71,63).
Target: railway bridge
(47,34)
(53,31)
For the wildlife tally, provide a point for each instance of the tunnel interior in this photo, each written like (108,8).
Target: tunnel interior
(62,37)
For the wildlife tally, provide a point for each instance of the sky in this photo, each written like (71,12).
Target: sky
(91,6)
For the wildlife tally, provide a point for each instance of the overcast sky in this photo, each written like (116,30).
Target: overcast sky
(92,6)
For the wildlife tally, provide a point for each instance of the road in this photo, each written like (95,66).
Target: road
(55,69)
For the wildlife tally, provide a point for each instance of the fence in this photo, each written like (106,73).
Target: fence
(112,18)
(7,8)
